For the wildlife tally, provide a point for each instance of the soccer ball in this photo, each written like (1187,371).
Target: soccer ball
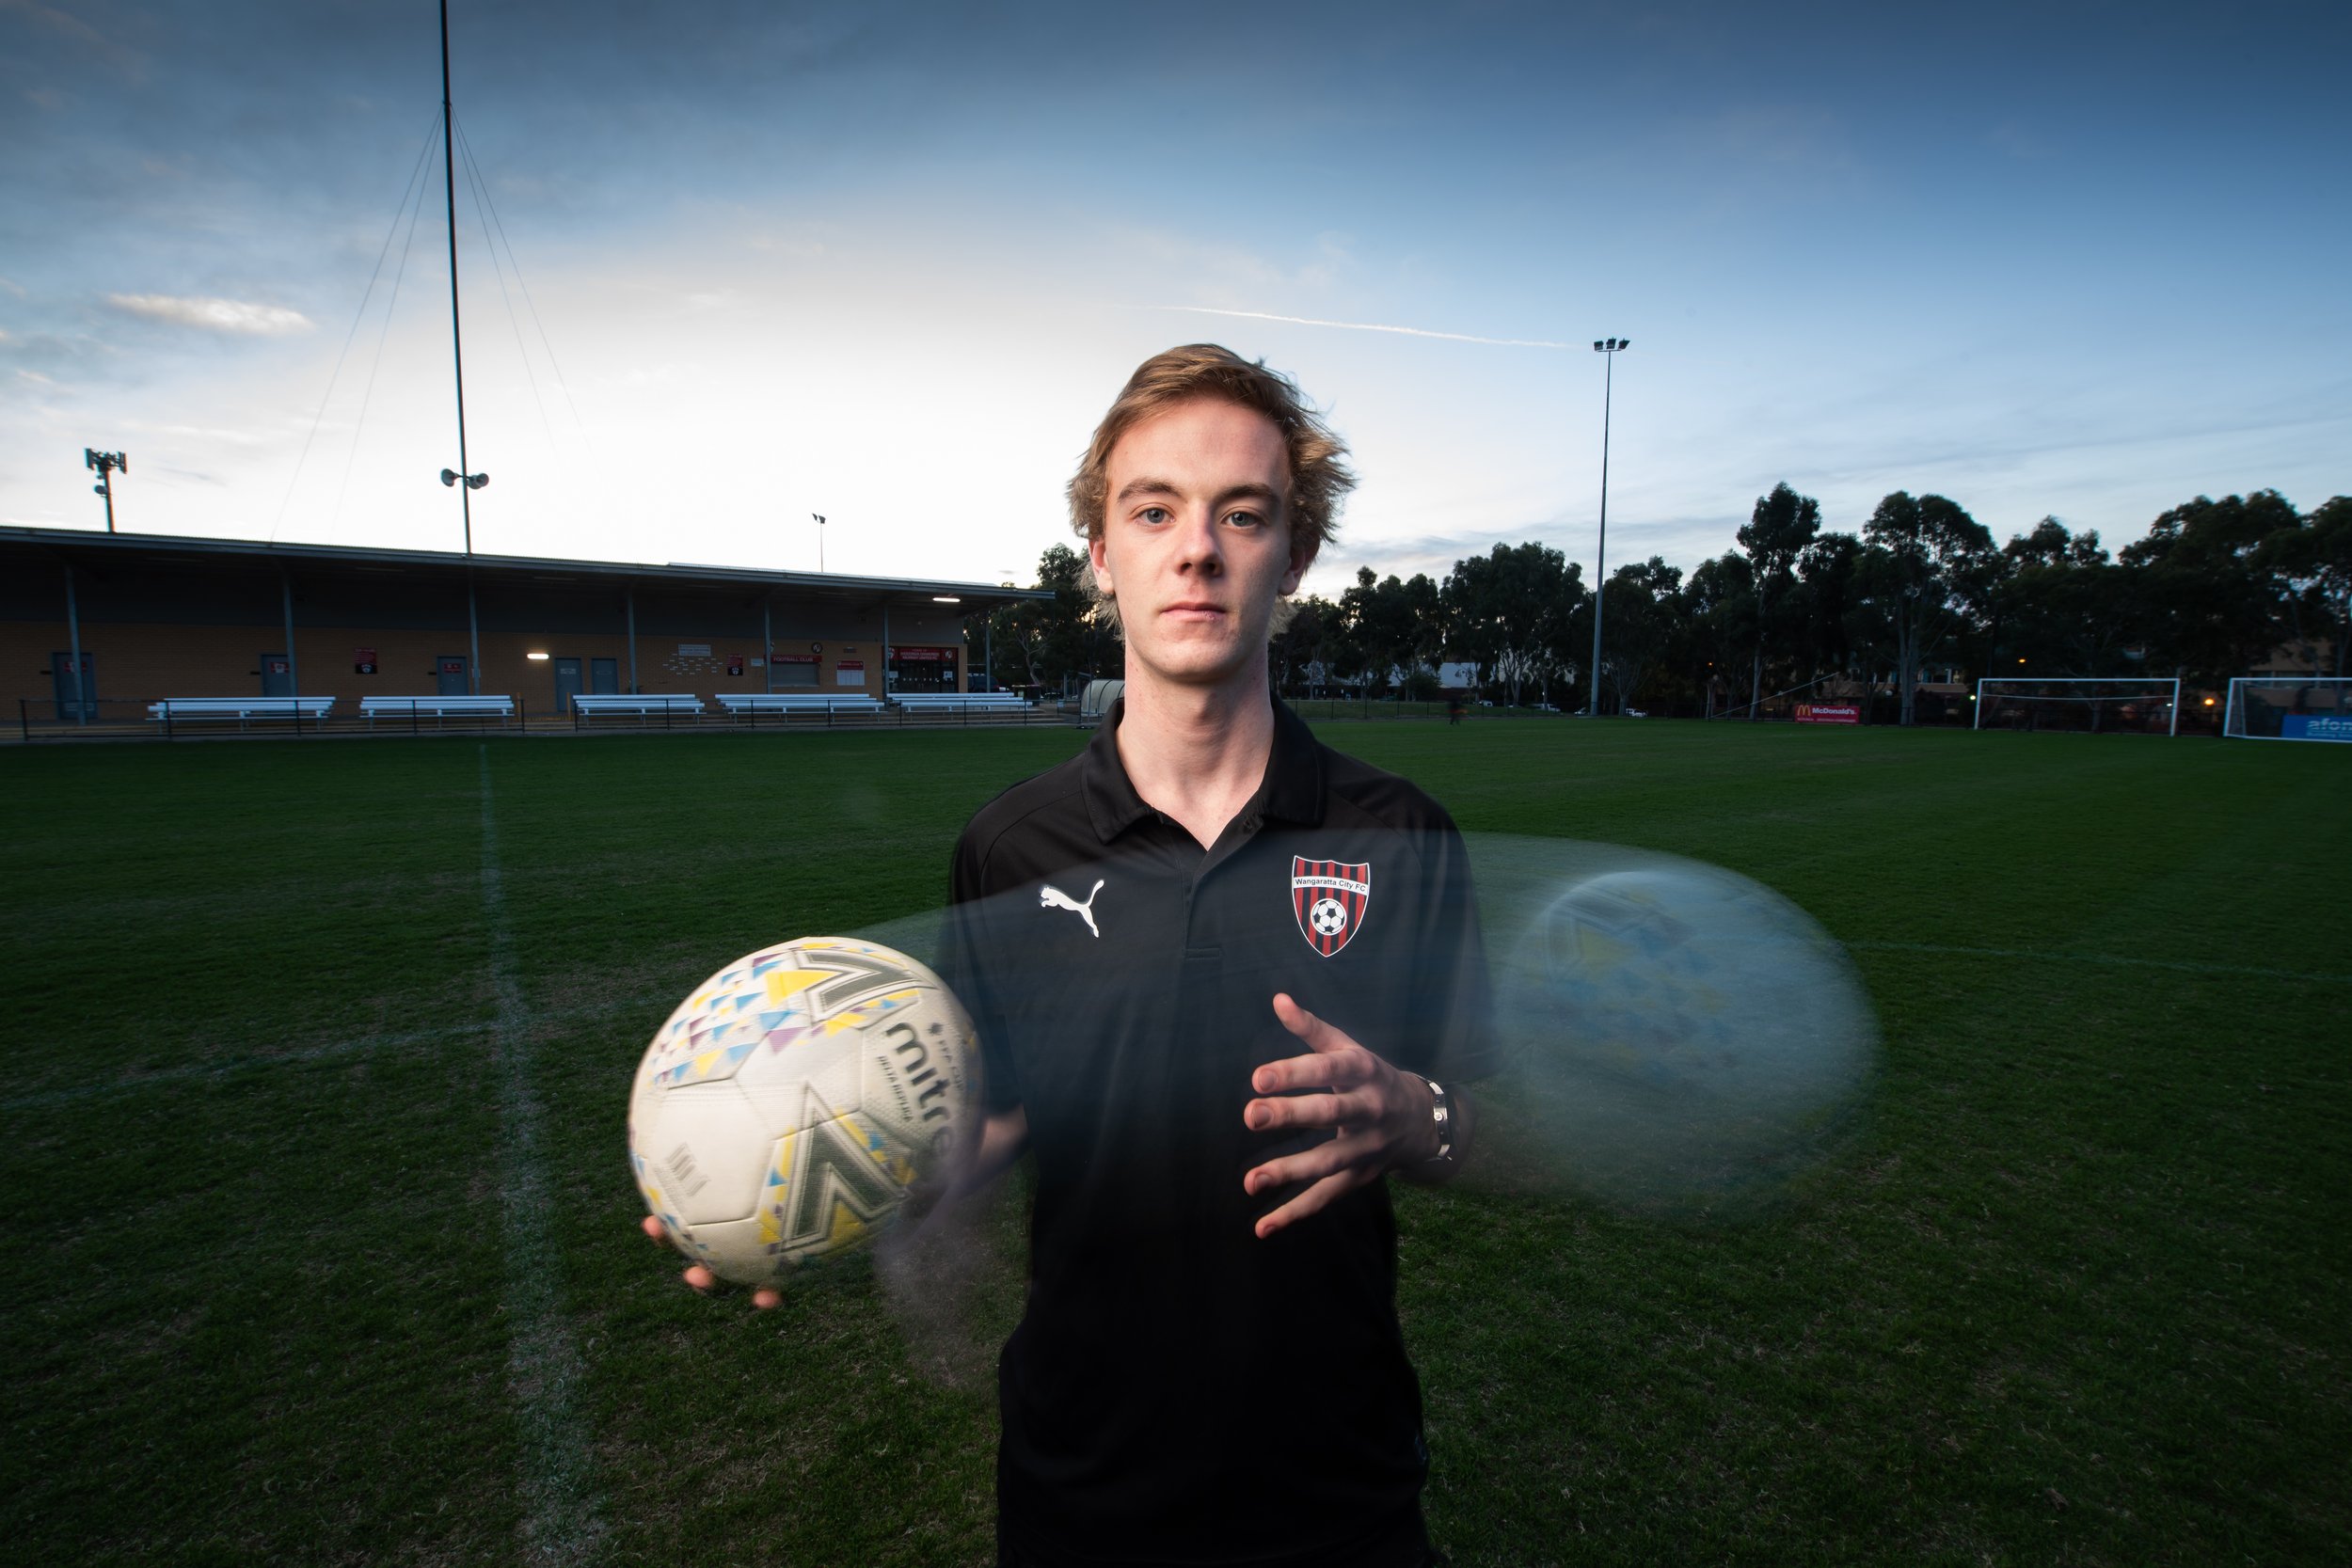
(1686,1034)
(1328,917)
(780,1112)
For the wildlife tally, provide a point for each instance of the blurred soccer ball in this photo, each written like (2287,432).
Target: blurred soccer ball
(782,1111)
(1686,1034)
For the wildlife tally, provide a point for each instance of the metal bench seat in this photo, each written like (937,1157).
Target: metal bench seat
(436,709)
(179,710)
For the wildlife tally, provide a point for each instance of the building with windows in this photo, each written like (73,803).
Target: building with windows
(156,616)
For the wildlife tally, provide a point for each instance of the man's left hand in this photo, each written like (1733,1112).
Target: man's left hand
(1381,1115)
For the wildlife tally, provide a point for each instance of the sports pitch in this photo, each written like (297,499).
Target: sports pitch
(318,1055)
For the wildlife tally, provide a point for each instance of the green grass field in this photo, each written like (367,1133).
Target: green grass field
(318,1056)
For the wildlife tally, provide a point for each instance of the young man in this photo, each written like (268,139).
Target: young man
(1226,980)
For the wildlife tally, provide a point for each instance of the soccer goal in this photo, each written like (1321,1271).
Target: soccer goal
(2289,707)
(2092,704)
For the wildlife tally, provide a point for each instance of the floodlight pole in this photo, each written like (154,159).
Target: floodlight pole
(457,356)
(820,541)
(1610,348)
(105,464)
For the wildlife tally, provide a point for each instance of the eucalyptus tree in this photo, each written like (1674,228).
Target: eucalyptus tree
(2311,564)
(1505,610)
(2209,608)
(1776,533)
(1924,568)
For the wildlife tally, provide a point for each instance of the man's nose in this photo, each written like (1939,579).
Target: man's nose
(1198,545)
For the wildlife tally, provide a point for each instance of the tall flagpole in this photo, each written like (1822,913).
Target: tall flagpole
(457,355)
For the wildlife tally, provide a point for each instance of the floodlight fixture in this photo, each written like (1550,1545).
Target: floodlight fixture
(105,464)
(473,482)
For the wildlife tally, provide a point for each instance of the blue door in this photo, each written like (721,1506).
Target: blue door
(450,670)
(62,665)
(566,684)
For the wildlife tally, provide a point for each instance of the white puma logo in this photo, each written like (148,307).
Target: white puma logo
(1051,897)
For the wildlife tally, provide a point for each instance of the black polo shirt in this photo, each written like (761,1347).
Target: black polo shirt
(1179,1391)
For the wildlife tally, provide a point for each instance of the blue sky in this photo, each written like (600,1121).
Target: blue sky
(889,263)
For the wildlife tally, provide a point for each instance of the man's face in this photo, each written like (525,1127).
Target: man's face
(1196,539)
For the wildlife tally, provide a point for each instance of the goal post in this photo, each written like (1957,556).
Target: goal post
(2096,704)
(2289,707)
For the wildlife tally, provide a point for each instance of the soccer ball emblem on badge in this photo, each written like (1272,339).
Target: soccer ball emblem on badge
(782,1111)
(1328,917)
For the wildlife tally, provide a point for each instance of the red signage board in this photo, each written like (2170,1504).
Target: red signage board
(735,664)
(1828,713)
(363,662)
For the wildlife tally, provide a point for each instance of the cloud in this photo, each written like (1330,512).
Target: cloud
(1364,326)
(214,315)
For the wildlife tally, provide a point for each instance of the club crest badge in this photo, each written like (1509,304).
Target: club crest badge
(1330,899)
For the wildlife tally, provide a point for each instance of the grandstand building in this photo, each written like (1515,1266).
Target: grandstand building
(161,616)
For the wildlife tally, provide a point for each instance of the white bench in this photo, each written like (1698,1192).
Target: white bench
(965,705)
(958,702)
(179,710)
(751,704)
(756,702)
(640,705)
(435,708)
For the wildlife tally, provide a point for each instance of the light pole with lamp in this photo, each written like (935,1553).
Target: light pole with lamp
(473,618)
(820,541)
(105,464)
(1611,347)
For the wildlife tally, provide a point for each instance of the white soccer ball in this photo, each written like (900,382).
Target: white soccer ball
(783,1109)
(1328,917)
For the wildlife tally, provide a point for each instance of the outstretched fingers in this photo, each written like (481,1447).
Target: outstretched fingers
(1313,1200)
(766,1297)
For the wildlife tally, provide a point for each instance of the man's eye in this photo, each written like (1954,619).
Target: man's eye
(1152,514)
(1243,519)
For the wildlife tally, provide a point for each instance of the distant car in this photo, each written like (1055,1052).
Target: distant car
(1636,713)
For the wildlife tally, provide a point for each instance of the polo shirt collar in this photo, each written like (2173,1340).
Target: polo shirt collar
(1292,790)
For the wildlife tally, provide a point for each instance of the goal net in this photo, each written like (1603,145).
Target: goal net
(2289,707)
(2092,704)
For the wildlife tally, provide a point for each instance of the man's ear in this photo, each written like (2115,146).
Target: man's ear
(1302,557)
(1102,567)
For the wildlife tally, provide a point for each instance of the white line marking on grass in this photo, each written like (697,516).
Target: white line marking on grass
(543,1365)
(2049,955)
(360,1047)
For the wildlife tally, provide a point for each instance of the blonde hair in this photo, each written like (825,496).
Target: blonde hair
(1320,480)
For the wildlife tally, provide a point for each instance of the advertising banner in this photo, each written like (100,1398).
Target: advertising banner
(363,662)
(849,672)
(2315,727)
(1828,713)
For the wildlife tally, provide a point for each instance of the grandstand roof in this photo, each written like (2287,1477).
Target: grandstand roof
(82,546)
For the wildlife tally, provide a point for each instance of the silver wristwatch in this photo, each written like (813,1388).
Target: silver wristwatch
(1441,1112)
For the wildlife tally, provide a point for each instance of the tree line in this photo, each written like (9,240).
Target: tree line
(2216,587)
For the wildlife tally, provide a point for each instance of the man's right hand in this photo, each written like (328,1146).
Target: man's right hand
(702,1279)
(1001,1140)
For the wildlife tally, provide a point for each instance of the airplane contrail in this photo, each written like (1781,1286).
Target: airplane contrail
(1365,327)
